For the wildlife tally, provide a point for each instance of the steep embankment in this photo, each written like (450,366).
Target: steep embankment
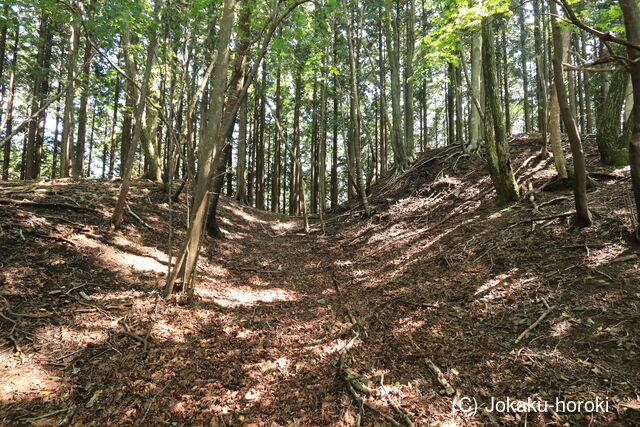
(438,275)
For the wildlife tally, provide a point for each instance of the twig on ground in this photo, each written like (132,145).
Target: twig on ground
(536,323)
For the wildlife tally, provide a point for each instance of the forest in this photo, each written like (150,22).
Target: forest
(320,212)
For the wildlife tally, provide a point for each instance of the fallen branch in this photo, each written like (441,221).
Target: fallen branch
(557,199)
(135,215)
(535,324)
(448,389)
(544,218)
(47,205)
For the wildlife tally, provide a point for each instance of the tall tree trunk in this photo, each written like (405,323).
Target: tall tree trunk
(475,125)
(356,120)
(631,12)
(78,163)
(91,135)
(112,139)
(118,212)
(495,134)
(540,74)
(259,171)
(459,115)
(383,104)
(524,69)
(275,173)
(296,173)
(586,87)
(131,95)
(451,104)
(583,216)
(241,181)
(408,78)
(208,150)
(397,130)
(150,140)
(505,80)
(555,134)
(35,136)
(8,112)
(68,121)
(334,145)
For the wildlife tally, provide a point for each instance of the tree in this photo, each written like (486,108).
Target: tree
(631,13)
(583,216)
(495,135)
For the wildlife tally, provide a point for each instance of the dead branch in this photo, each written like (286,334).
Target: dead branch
(536,323)
(544,218)
(45,205)
(136,216)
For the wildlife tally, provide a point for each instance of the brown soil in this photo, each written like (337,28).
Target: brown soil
(438,273)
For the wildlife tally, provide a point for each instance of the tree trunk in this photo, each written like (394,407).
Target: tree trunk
(208,150)
(118,212)
(475,125)
(259,171)
(583,216)
(8,116)
(631,13)
(78,163)
(525,72)
(613,147)
(397,129)
(408,79)
(294,190)
(131,94)
(35,135)
(241,162)
(555,134)
(540,75)
(495,135)
(275,173)
(356,120)
(451,104)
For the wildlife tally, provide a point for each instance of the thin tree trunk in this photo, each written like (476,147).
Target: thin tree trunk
(408,79)
(555,134)
(525,72)
(356,119)
(397,129)
(8,116)
(78,163)
(275,173)
(583,216)
(475,125)
(118,212)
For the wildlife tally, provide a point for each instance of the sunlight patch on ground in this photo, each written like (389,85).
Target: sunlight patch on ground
(246,296)
(601,256)
(123,259)
(408,326)
(23,378)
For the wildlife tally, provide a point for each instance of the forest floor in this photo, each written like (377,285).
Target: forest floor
(438,277)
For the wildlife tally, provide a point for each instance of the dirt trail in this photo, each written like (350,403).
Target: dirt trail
(439,274)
